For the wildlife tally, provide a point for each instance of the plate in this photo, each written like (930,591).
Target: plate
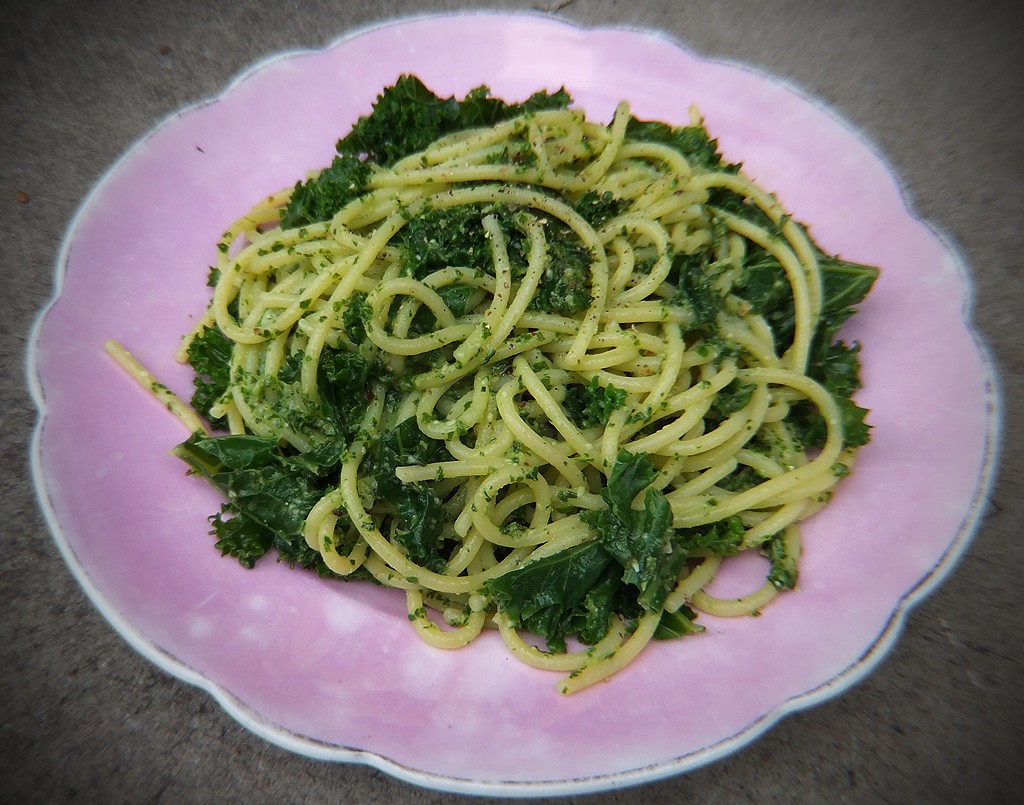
(333,670)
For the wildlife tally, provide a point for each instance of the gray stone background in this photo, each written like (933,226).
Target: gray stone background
(937,85)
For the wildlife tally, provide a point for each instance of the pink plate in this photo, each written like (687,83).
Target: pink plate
(333,670)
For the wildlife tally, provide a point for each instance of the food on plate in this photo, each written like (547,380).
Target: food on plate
(540,373)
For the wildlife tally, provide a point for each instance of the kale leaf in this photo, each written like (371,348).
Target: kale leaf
(270,489)
(319,198)
(640,540)
(357,313)
(408,117)
(643,541)
(209,355)
(764,285)
(726,200)
(565,287)
(418,507)
(722,538)
(240,536)
(741,479)
(831,362)
(599,208)
(691,276)
(421,515)
(592,404)
(680,623)
(439,238)
(250,473)
(343,383)
(693,142)
(211,454)
(403,445)
(811,430)
(734,397)
(452,237)
(268,497)
(783,572)
(576,591)
(551,594)
(456,296)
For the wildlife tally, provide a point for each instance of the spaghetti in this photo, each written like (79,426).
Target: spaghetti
(542,375)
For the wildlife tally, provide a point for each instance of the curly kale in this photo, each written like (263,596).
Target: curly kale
(209,355)
(693,142)
(592,404)
(418,508)
(268,497)
(319,198)
(408,117)
(565,287)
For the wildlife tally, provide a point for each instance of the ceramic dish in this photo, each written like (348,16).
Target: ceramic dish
(333,670)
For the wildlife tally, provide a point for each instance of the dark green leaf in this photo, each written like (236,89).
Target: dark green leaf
(235,452)
(691,276)
(439,238)
(640,540)
(357,313)
(721,539)
(240,537)
(677,624)
(319,459)
(592,404)
(209,355)
(632,473)
(403,445)
(734,397)
(296,551)
(783,572)
(544,596)
(740,480)
(273,496)
(268,496)
(408,117)
(420,516)
(839,372)
(343,382)
(591,618)
(693,142)
(725,200)
(291,370)
(457,297)
(599,208)
(565,286)
(320,198)
(418,508)
(844,284)
(764,285)
(830,362)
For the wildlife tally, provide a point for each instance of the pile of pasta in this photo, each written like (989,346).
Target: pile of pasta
(522,475)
